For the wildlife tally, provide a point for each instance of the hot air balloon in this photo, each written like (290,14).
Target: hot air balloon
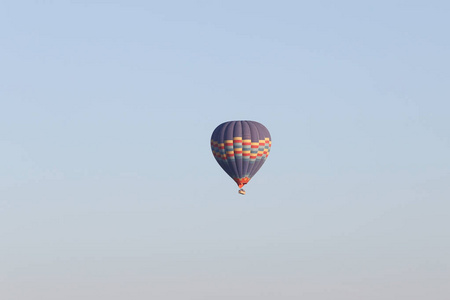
(241,148)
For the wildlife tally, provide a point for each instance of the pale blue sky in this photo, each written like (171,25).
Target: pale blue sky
(108,188)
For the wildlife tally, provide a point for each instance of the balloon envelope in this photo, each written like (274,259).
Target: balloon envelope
(241,148)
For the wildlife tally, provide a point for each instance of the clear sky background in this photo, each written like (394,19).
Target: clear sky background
(108,188)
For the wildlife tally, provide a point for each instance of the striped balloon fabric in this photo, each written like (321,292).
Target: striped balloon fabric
(241,148)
